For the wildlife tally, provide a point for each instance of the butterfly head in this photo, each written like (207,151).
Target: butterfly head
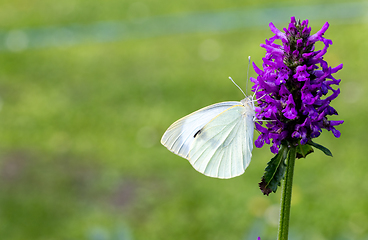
(248,102)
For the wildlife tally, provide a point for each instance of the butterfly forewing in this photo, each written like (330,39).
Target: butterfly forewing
(180,135)
(223,147)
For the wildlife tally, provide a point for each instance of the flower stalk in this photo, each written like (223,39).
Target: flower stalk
(286,195)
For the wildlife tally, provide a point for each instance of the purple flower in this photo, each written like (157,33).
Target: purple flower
(295,87)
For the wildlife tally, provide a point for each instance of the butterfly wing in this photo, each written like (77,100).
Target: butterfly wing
(223,147)
(180,135)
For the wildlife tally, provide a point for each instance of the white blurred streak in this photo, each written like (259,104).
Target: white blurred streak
(16,41)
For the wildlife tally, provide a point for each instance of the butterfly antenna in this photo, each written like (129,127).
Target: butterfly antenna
(246,84)
(255,92)
(260,97)
(237,86)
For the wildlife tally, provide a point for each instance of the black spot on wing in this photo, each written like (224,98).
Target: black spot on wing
(198,132)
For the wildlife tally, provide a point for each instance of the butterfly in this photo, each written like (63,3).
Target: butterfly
(217,139)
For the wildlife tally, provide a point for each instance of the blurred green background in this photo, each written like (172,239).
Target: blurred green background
(88,87)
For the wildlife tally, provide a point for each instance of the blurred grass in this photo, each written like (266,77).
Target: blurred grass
(80,128)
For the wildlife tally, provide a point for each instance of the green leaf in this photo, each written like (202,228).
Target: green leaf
(303,150)
(274,172)
(320,147)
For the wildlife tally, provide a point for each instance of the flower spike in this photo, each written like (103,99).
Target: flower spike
(296,80)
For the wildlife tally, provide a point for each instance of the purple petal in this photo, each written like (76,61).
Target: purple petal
(278,33)
(337,68)
(272,50)
(301,73)
(256,69)
(289,111)
(335,123)
(274,149)
(336,132)
(318,34)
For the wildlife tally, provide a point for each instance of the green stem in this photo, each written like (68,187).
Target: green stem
(286,196)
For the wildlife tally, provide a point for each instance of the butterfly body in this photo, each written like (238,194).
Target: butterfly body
(217,140)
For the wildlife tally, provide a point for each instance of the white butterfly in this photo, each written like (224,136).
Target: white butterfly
(217,140)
